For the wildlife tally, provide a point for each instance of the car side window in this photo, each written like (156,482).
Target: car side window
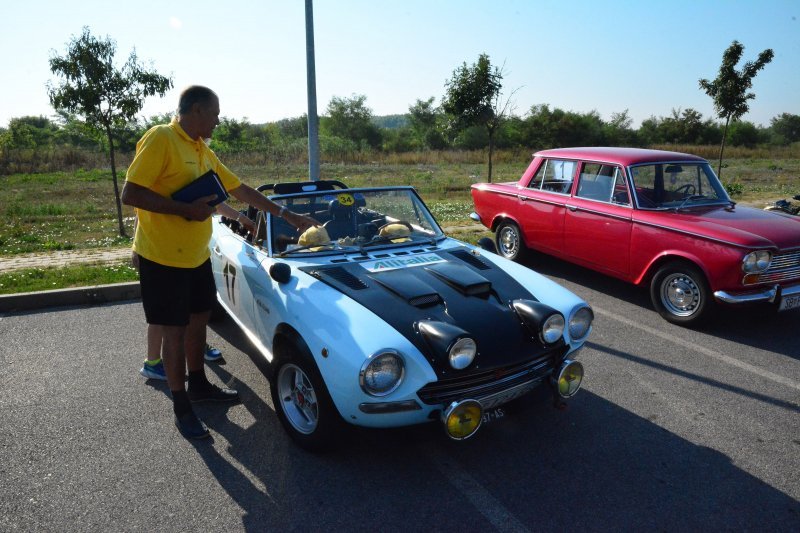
(554,175)
(604,183)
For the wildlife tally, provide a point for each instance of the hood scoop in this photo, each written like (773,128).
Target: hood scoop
(408,287)
(462,278)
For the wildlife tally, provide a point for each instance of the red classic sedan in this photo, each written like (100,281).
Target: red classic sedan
(649,217)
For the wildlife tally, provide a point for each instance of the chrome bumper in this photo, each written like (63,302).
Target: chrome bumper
(768,295)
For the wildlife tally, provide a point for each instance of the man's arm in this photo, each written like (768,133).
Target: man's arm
(231,213)
(144,198)
(250,196)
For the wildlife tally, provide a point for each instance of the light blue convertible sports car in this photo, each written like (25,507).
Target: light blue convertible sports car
(379,319)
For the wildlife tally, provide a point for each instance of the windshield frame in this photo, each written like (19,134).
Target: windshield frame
(437,234)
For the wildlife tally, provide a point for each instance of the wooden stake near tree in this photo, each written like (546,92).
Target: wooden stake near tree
(104,97)
(729,89)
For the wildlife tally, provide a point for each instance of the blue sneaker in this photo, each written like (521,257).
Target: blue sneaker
(153,371)
(212,354)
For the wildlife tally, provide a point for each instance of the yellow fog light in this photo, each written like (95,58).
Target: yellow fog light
(569,378)
(462,419)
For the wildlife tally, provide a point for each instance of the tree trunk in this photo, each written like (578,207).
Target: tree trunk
(114,179)
(722,146)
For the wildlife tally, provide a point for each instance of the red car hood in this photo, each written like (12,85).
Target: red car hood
(745,226)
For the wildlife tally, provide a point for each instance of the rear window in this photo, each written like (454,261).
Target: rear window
(604,183)
(554,175)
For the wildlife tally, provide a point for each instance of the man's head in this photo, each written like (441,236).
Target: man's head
(198,111)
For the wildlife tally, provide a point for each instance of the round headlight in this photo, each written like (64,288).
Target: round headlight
(462,353)
(382,373)
(462,419)
(580,322)
(756,262)
(553,328)
(569,378)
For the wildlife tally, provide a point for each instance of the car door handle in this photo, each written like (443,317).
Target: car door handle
(522,198)
(572,207)
(217,251)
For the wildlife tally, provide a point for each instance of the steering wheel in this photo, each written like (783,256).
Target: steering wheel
(687,189)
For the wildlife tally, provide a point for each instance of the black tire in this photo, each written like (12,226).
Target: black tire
(680,293)
(301,399)
(508,238)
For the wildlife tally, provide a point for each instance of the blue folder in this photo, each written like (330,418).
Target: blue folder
(206,185)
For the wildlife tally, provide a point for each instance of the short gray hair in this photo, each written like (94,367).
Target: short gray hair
(194,94)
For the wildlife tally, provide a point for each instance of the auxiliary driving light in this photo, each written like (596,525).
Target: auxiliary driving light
(462,419)
(569,378)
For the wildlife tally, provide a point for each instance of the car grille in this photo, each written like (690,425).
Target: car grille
(482,384)
(784,267)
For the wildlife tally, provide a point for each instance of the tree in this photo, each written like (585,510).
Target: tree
(351,119)
(730,88)
(104,97)
(473,98)
(786,127)
(424,120)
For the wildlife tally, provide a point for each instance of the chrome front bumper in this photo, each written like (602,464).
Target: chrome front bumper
(770,295)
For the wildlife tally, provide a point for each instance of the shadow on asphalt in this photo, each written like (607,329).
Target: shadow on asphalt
(759,326)
(593,466)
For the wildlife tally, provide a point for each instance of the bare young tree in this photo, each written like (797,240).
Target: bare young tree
(729,89)
(473,98)
(104,97)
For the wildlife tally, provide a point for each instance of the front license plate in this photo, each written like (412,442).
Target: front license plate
(790,302)
(494,414)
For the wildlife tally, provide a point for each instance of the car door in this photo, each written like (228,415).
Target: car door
(543,204)
(597,223)
(234,262)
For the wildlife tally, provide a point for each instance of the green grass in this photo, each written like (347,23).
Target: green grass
(42,279)
(76,210)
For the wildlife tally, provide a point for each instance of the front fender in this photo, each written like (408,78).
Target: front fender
(341,335)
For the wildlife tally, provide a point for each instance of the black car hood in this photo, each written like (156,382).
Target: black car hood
(455,287)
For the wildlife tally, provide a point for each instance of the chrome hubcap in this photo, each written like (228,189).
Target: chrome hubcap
(298,399)
(680,294)
(508,241)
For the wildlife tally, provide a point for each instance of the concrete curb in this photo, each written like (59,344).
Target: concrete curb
(94,295)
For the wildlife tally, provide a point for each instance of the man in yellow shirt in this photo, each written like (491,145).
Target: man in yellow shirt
(172,243)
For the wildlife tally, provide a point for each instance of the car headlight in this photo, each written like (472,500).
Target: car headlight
(756,262)
(382,373)
(569,378)
(448,340)
(579,323)
(553,328)
(462,353)
(540,319)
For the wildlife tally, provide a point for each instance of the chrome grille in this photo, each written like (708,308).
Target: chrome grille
(782,268)
(486,383)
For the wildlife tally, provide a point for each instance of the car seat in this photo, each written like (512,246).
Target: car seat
(342,221)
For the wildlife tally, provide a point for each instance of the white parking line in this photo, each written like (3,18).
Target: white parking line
(486,504)
(705,351)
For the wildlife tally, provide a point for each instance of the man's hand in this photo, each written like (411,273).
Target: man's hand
(199,210)
(301,222)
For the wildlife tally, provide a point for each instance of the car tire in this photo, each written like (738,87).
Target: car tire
(508,238)
(680,293)
(301,400)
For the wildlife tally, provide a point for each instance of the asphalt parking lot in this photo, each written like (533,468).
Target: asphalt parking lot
(675,430)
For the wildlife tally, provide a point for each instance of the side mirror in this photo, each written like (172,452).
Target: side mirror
(280,272)
(487,244)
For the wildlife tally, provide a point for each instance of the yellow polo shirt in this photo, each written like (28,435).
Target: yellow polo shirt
(166,160)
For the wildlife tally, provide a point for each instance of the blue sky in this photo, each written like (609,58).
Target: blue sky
(608,56)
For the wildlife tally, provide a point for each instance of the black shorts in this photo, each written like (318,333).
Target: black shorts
(170,294)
